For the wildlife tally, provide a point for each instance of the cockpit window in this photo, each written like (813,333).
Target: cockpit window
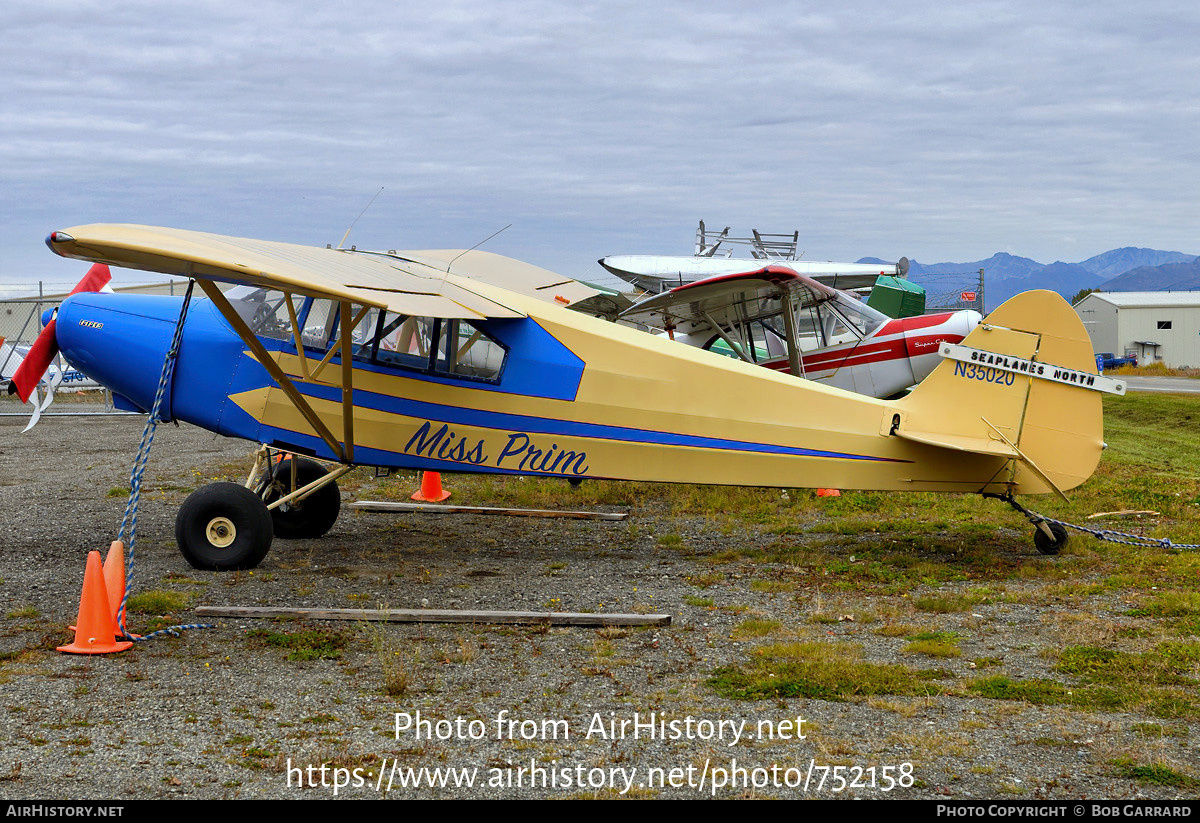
(465,350)
(428,344)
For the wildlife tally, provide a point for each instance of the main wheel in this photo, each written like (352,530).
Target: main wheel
(1047,546)
(223,526)
(310,517)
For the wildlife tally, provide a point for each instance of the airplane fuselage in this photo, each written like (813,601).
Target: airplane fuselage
(566,403)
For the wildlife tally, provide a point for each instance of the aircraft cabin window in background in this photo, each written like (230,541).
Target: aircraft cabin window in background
(263,310)
(808,325)
(860,316)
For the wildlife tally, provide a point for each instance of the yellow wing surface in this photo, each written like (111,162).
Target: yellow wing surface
(418,286)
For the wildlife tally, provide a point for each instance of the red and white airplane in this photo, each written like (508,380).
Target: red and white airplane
(784,320)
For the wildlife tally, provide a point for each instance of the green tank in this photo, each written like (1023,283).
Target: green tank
(897,298)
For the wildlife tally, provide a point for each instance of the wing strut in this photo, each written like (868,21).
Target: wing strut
(795,360)
(268,363)
(728,340)
(347,344)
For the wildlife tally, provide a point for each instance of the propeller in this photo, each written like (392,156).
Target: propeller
(45,348)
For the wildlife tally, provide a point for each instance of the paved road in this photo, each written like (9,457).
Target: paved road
(1184,385)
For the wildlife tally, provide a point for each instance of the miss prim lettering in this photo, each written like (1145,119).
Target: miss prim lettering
(519,452)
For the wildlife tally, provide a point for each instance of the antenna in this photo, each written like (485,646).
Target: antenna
(477,245)
(356,219)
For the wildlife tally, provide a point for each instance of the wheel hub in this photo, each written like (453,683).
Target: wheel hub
(221,532)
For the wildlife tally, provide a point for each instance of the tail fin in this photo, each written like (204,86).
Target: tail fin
(1022,385)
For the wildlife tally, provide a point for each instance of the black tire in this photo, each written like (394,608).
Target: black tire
(222,527)
(1047,546)
(310,517)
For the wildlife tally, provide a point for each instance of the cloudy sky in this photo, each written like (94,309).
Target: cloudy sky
(944,132)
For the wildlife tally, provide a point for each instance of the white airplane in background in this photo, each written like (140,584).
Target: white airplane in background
(63,379)
(714,256)
(657,272)
(776,317)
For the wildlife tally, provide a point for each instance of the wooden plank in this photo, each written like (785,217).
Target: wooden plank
(438,508)
(438,616)
(1122,513)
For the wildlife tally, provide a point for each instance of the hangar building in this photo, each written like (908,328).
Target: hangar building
(1156,326)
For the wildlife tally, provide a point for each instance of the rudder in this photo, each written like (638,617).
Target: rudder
(1022,385)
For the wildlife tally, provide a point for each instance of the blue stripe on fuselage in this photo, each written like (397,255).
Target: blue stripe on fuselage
(531,424)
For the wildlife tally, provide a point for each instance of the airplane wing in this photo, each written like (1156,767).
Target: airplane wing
(726,298)
(405,286)
(507,273)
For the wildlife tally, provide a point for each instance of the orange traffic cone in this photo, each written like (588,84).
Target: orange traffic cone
(828,493)
(114,577)
(95,630)
(431,489)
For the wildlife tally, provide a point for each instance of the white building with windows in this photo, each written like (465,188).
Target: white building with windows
(1155,326)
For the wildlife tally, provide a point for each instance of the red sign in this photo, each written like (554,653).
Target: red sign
(967,297)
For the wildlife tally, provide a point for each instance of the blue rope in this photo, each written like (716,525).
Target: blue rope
(129,519)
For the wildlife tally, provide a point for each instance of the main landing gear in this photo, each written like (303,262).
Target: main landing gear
(224,526)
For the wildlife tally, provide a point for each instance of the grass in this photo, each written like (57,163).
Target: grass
(755,628)
(157,602)
(1156,369)
(934,644)
(824,671)
(1156,774)
(302,644)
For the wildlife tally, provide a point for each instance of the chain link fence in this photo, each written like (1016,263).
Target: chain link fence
(20,324)
(951,291)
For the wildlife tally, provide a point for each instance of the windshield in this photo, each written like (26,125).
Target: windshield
(862,317)
(262,309)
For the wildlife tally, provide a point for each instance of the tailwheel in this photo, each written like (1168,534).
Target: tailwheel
(1045,544)
(310,516)
(222,527)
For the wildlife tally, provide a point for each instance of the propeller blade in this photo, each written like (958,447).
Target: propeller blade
(95,280)
(43,403)
(41,353)
(45,348)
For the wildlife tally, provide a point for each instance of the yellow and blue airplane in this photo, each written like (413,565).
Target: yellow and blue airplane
(469,361)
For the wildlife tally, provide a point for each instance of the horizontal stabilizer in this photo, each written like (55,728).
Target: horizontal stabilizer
(960,442)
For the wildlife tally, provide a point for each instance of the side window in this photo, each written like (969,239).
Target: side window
(466,351)
(404,341)
(450,347)
(362,336)
(318,323)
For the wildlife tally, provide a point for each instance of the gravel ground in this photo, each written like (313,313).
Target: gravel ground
(222,713)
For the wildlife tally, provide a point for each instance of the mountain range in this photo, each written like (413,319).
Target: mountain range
(1125,269)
